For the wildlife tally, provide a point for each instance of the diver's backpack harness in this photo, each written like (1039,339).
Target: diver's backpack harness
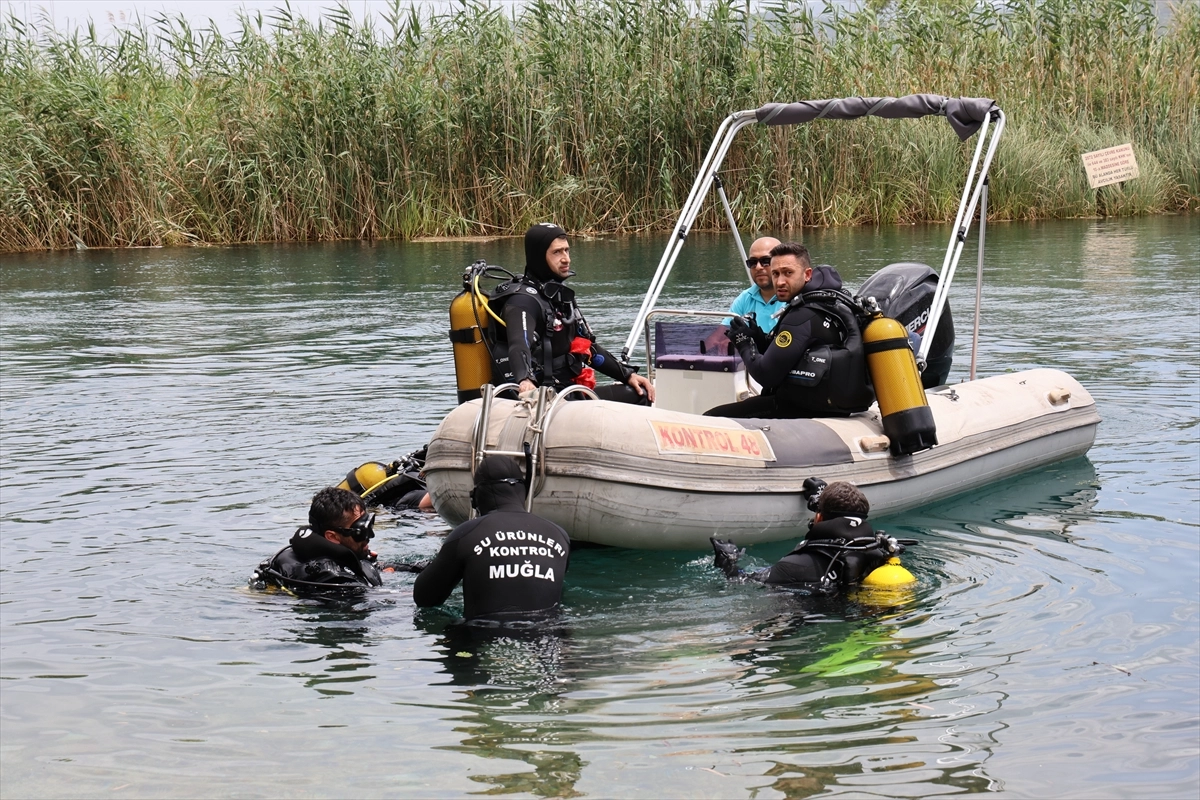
(558,310)
(837,550)
(889,375)
(501,366)
(840,371)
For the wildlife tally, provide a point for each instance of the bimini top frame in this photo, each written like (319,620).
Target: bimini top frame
(966,116)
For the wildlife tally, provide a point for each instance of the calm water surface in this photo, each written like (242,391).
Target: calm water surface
(167,414)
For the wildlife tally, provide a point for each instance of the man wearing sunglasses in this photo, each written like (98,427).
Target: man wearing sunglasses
(330,553)
(814,364)
(760,299)
(546,339)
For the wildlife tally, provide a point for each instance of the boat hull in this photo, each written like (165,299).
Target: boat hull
(614,475)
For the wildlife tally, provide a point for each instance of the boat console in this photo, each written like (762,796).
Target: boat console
(694,367)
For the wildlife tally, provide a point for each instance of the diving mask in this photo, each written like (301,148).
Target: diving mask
(361,530)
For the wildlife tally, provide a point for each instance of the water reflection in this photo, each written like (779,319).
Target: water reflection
(341,631)
(865,684)
(1048,502)
(513,678)
(167,415)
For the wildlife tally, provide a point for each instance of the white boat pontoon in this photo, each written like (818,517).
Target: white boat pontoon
(667,478)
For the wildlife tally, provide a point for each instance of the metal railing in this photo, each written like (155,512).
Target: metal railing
(542,410)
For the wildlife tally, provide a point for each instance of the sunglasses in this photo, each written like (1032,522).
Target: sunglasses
(361,530)
(763,261)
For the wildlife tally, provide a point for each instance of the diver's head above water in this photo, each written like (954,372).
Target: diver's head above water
(842,499)
(547,253)
(499,485)
(340,516)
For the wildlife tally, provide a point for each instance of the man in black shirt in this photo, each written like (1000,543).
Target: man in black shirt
(546,338)
(511,563)
(814,364)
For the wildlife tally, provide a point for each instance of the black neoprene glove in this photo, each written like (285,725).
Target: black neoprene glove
(726,555)
(403,566)
(761,340)
(740,333)
(812,492)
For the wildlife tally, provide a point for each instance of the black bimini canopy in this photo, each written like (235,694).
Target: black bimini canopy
(965,114)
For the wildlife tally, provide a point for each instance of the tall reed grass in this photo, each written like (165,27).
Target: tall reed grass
(593,113)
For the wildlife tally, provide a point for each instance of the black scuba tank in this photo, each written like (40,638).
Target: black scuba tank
(905,292)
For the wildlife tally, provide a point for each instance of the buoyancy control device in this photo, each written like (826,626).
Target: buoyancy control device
(883,343)
(904,292)
(907,418)
(839,371)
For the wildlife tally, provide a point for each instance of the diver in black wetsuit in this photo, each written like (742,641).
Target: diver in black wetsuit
(814,364)
(839,550)
(546,339)
(331,553)
(511,563)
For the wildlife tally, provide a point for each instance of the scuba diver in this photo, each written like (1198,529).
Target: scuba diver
(546,340)
(839,550)
(814,364)
(328,554)
(511,562)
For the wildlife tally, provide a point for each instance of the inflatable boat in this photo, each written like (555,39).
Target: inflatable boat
(651,478)
(665,477)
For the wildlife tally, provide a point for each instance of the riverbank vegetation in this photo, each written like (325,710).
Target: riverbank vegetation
(593,113)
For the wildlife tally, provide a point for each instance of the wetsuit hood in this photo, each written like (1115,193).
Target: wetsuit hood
(499,485)
(844,527)
(310,546)
(823,277)
(537,241)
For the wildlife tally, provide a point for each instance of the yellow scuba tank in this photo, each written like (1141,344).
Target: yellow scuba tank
(907,418)
(889,585)
(362,479)
(890,574)
(468,327)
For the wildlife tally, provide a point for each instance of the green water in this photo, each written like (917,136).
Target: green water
(167,414)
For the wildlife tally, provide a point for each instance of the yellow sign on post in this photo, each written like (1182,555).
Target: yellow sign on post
(1110,165)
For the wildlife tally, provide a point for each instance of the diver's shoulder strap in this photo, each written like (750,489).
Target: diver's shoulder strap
(836,305)
(502,291)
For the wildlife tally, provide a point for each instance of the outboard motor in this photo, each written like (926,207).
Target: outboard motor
(904,292)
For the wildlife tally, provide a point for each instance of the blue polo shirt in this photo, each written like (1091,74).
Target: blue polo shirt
(751,301)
